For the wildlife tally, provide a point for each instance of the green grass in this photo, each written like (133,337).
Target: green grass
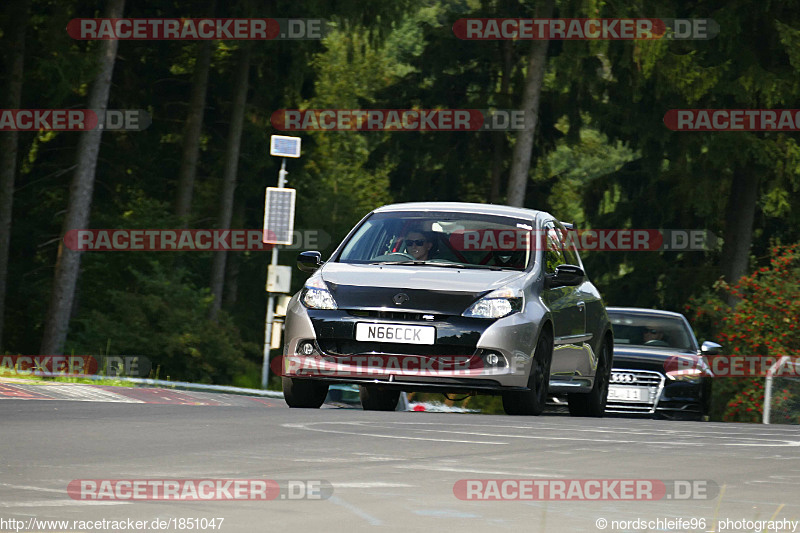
(66,379)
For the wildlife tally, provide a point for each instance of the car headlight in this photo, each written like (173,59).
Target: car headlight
(496,304)
(691,375)
(316,294)
(687,368)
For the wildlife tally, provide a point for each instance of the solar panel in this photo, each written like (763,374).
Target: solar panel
(279,215)
(283,146)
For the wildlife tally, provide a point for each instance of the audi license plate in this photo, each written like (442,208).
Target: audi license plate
(628,394)
(395,333)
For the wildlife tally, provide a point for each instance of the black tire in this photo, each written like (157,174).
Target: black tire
(378,399)
(532,401)
(593,403)
(304,393)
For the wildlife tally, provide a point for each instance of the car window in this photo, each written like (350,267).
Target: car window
(650,330)
(553,254)
(570,253)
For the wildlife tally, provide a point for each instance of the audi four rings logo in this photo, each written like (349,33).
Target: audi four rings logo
(619,377)
(400,298)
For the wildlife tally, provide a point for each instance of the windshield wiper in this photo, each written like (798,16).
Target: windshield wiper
(465,265)
(437,264)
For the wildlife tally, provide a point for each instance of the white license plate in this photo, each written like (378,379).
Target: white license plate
(395,333)
(628,394)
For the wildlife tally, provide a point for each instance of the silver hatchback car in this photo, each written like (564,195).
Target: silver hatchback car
(450,297)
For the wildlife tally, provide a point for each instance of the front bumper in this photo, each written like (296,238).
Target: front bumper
(660,397)
(457,361)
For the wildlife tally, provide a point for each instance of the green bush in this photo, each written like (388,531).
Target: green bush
(163,317)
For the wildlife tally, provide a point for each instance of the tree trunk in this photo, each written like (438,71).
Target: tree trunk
(192,131)
(521,161)
(9,144)
(80,200)
(741,209)
(233,263)
(498,137)
(229,176)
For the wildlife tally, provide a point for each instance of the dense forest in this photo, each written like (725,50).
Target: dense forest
(599,156)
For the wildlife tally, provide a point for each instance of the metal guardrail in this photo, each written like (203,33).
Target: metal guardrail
(184,385)
(404,404)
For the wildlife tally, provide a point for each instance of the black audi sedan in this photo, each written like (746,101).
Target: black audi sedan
(645,380)
(450,297)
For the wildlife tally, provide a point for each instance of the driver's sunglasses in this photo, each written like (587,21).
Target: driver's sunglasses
(414,242)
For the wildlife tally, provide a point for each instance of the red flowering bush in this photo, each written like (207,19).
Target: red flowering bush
(765,321)
(747,404)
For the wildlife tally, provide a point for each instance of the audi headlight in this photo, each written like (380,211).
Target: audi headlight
(316,294)
(496,304)
(691,375)
(691,369)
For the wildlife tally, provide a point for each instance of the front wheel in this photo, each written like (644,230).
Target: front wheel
(304,393)
(532,401)
(594,403)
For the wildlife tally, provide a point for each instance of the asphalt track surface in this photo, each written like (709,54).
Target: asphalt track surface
(389,471)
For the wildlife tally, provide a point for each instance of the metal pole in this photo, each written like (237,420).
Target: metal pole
(768,388)
(271,300)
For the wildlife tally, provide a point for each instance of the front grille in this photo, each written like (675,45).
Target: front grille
(353,347)
(636,378)
(653,381)
(398,315)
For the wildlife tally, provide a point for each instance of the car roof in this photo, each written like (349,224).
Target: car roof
(643,311)
(485,209)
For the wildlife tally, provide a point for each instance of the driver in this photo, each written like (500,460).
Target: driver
(653,336)
(417,245)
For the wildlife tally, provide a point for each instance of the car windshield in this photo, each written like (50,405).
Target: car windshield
(441,239)
(651,331)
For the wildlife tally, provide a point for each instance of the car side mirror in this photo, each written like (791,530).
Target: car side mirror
(565,276)
(309,261)
(710,348)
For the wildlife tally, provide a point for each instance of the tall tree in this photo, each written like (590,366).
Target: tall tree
(192,131)
(9,142)
(692,180)
(498,138)
(230,172)
(739,224)
(80,199)
(521,160)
